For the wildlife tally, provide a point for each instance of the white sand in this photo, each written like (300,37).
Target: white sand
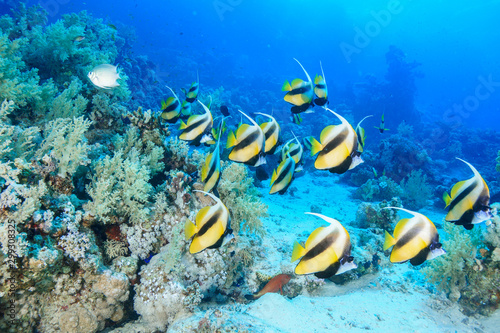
(395,299)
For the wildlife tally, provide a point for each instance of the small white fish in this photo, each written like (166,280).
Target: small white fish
(104,76)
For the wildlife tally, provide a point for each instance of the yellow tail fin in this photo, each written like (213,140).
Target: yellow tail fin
(231,140)
(446,198)
(286,86)
(389,241)
(315,146)
(183,125)
(298,251)
(190,229)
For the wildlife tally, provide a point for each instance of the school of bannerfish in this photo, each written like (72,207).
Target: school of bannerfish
(327,250)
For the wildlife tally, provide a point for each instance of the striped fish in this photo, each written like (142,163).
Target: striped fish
(415,239)
(360,132)
(299,93)
(186,109)
(295,149)
(338,148)
(271,131)
(198,127)
(469,201)
(320,88)
(210,171)
(171,108)
(192,92)
(247,144)
(283,175)
(211,228)
(327,251)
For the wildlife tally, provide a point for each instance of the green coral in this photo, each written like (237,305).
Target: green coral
(416,190)
(120,187)
(241,197)
(465,274)
(378,189)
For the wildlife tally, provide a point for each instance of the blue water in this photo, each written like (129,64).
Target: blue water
(431,65)
(233,42)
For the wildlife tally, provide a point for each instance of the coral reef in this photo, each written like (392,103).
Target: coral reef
(377,189)
(468,274)
(241,197)
(416,190)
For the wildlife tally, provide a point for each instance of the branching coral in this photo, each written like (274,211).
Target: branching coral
(241,197)
(376,189)
(416,190)
(119,185)
(66,143)
(471,280)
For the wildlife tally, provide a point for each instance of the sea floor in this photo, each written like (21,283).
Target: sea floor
(394,299)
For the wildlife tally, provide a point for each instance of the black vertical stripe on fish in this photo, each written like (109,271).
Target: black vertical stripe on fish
(211,171)
(329,272)
(337,141)
(246,141)
(283,173)
(210,223)
(270,131)
(420,257)
(295,150)
(321,246)
(463,195)
(342,167)
(195,125)
(409,235)
(466,219)
(172,106)
(300,108)
(300,91)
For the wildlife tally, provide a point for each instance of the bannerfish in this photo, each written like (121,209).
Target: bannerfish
(300,93)
(468,201)
(307,141)
(327,251)
(186,109)
(382,128)
(210,171)
(273,286)
(415,239)
(247,144)
(271,131)
(338,150)
(224,110)
(192,92)
(320,88)
(294,148)
(360,132)
(198,127)
(171,108)
(283,175)
(104,76)
(211,228)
